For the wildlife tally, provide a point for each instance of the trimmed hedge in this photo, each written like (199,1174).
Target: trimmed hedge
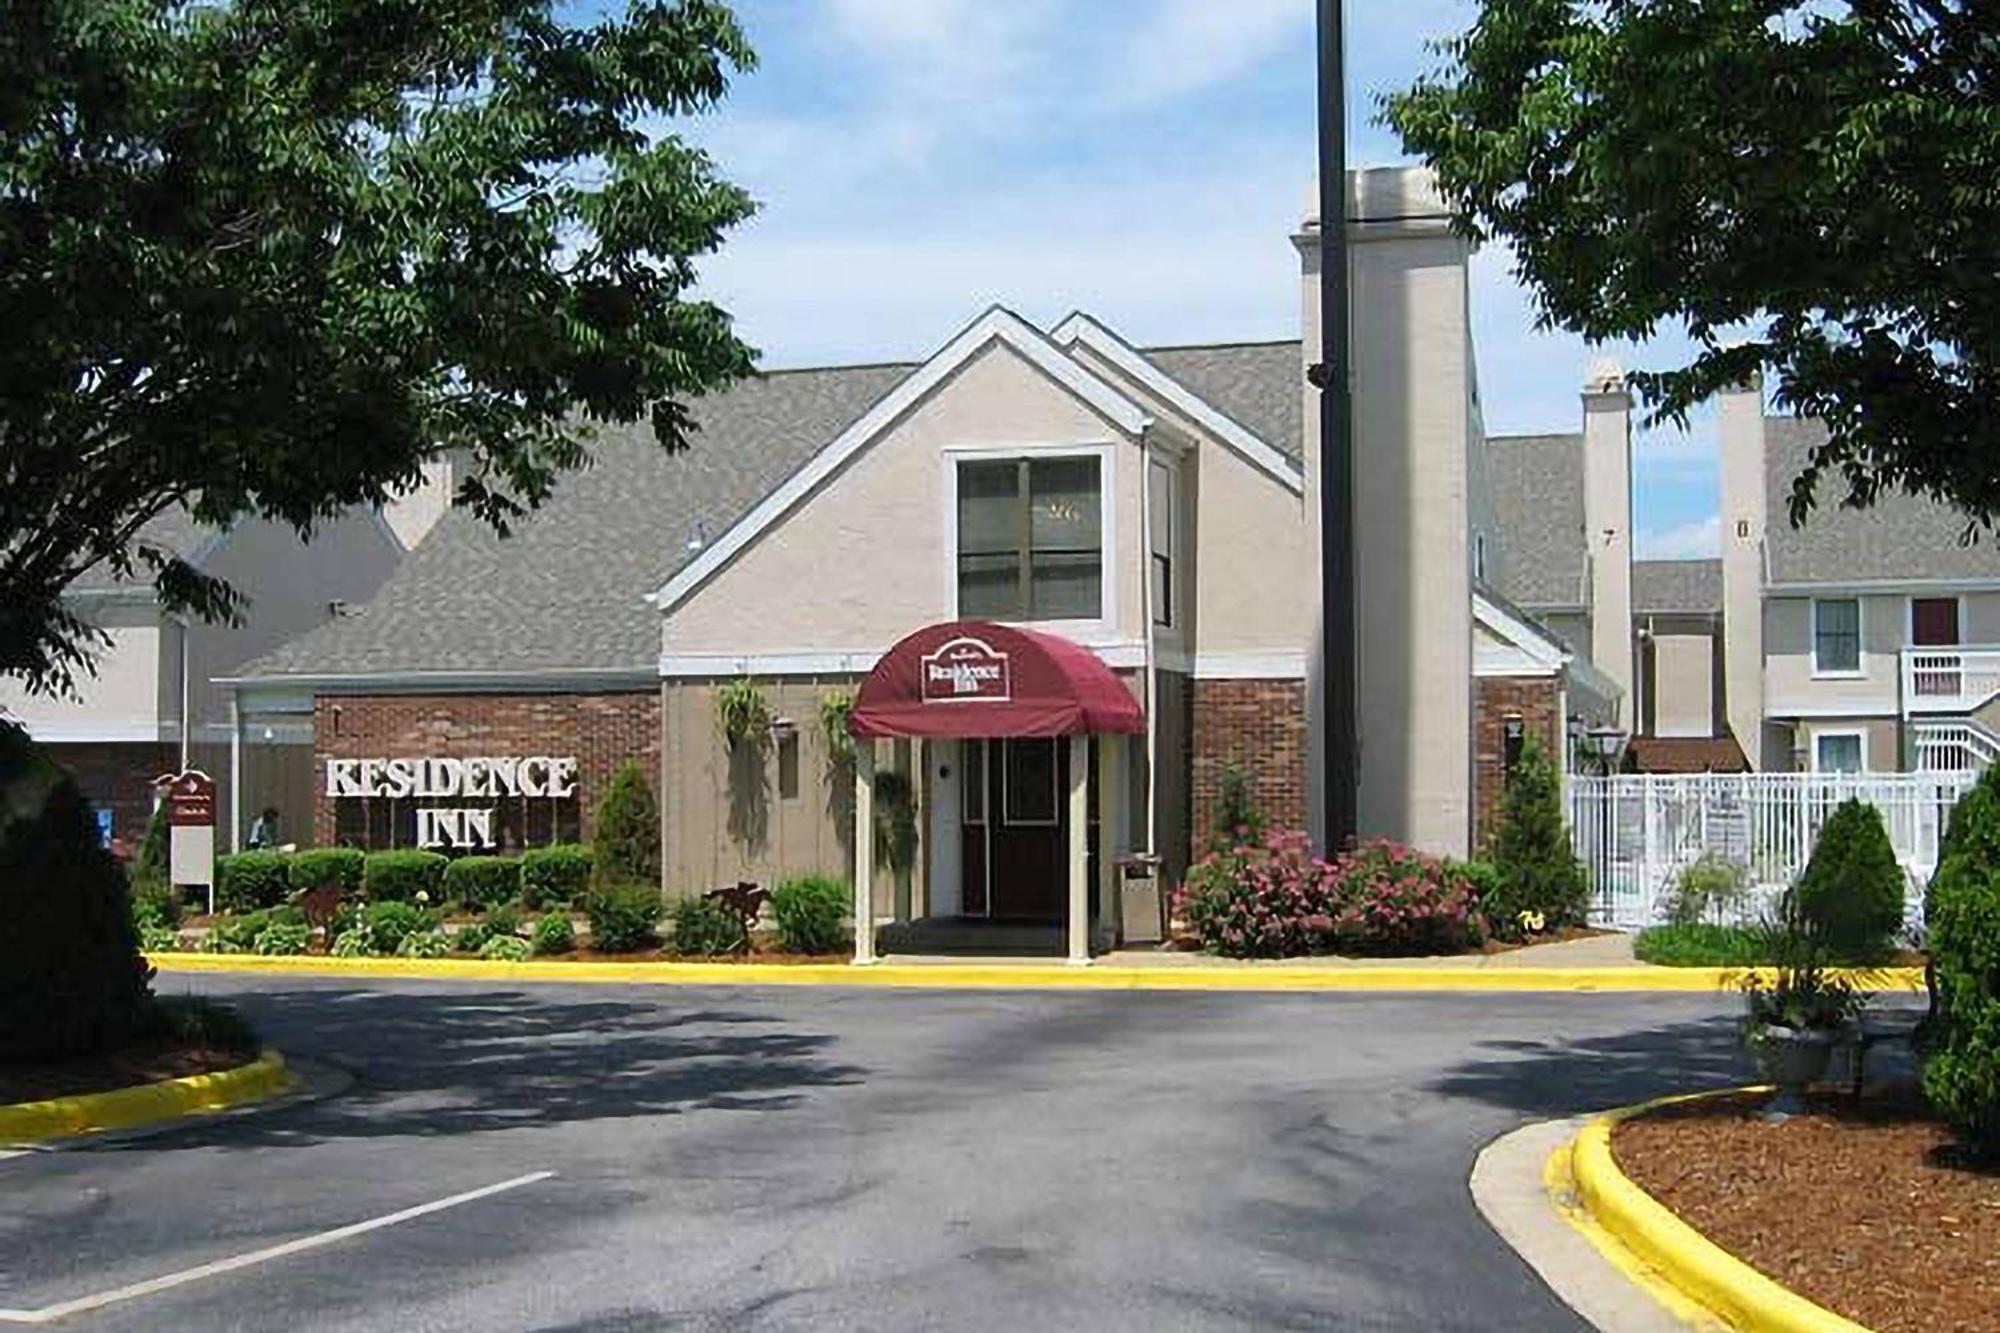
(483,881)
(810,911)
(555,876)
(623,917)
(1961,1068)
(398,876)
(251,881)
(1853,888)
(318,865)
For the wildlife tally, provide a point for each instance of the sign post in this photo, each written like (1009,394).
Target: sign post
(190,799)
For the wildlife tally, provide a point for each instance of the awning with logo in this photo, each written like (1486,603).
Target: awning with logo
(973,678)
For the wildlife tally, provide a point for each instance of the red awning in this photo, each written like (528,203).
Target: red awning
(972,678)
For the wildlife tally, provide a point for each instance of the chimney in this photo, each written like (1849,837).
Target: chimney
(1607,523)
(413,513)
(1743,518)
(1409,366)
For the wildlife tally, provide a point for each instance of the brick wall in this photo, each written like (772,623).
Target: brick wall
(1537,701)
(1260,727)
(119,778)
(601,731)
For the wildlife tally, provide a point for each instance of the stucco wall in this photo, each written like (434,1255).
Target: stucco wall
(1789,682)
(858,572)
(1741,415)
(1681,693)
(129,698)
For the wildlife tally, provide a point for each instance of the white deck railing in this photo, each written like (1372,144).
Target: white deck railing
(1637,832)
(1949,680)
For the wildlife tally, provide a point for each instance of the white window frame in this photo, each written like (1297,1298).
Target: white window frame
(1820,734)
(1107,500)
(1176,505)
(1910,616)
(1859,669)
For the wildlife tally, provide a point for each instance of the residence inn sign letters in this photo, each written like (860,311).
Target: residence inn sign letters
(966,670)
(434,780)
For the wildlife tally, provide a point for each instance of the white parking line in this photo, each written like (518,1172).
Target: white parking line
(49,1313)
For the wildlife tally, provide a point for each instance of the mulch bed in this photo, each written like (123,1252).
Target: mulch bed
(1863,1207)
(151,1062)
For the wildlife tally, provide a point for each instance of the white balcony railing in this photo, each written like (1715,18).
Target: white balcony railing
(1949,680)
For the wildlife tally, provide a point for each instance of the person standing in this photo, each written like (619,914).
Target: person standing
(264,830)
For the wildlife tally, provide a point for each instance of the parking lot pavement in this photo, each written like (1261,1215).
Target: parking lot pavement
(823,1158)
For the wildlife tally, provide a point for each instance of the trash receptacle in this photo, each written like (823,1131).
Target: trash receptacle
(1141,915)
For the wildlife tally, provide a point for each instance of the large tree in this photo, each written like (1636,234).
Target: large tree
(268,257)
(1813,190)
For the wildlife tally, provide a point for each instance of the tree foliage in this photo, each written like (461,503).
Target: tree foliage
(1538,870)
(272,256)
(1813,191)
(1852,888)
(626,845)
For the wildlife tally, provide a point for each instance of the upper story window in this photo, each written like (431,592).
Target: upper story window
(1030,539)
(1164,515)
(1837,636)
(1934,622)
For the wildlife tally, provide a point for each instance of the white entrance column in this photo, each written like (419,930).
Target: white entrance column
(1079,850)
(1110,836)
(864,850)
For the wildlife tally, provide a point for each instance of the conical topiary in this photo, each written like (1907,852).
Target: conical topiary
(1960,1039)
(625,844)
(151,865)
(1852,889)
(1538,870)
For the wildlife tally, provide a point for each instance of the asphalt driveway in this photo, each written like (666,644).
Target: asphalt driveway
(807,1158)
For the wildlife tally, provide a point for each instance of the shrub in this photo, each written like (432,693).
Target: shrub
(399,876)
(155,904)
(1961,1068)
(353,943)
(555,876)
(1264,900)
(554,933)
(483,881)
(318,865)
(810,910)
(282,937)
(1238,821)
(250,881)
(623,917)
(159,939)
(471,938)
(1538,870)
(430,943)
(1711,886)
(706,929)
(238,934)
(506,949)
(626,848)
(152,864)
(386,925)
(1853,889)
(189,1020)
(1397,900)
(504,920)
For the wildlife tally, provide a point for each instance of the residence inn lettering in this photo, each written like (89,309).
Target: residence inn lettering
(441,793)
(966,670)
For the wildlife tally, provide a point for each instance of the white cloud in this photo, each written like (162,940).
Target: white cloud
(1698,540)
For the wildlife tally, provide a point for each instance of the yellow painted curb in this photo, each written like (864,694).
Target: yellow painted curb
(149,1103)
(1699,1269)
(988,976)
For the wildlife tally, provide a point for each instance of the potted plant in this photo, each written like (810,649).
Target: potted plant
(1798,1009)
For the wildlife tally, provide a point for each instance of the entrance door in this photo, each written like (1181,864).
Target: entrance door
(1015,841)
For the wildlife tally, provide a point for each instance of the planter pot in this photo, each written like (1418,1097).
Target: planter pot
(1792,1058)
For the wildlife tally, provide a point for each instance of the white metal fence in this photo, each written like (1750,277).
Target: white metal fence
(1637,832)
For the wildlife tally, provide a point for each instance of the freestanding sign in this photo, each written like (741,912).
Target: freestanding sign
(190,801)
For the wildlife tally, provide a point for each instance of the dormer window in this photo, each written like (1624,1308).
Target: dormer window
(1030,538)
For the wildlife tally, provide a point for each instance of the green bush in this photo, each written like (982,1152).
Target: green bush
(623,918)
(250,881)
(483,881)
(386,925)
(506,949)
(471,938)
(399,876)
(1712,886)
(239,934)
(555,876)
(1237,821)
(354,943)
(810,910)
(189,1020)
(151,865)
(705,929)
(282,937)
(626,845)
(1539,875)
(318,865)
(155,904)
(554,933)
(1488,885)
(1701,944)
(504,920)
(430,943)
(1852,890)
(1961,1067)
(159,939)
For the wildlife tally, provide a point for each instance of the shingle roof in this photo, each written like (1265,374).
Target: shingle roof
(1676,585)
(565,592)
(1257,385)
(1537,496)
(1900,536)
(174,531)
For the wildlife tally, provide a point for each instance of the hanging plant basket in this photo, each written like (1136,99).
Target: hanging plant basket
(743,711)
(835,710)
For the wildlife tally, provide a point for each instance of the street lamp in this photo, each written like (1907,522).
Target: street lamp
(1607,744)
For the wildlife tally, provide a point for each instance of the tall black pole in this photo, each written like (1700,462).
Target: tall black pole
(1336,446)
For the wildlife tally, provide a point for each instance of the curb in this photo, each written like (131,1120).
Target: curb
(946,976)
(146,1104)
(1690,1262)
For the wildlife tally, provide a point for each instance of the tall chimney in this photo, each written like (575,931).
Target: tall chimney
(412,514)
(1743,518)
(1607,522)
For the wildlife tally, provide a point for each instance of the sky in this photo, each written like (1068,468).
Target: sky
(1147,160)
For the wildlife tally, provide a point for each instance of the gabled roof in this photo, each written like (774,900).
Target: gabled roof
(174,532)
(1537,496)
(1676,586)
(1900,538)
(1260,384)
(997,326)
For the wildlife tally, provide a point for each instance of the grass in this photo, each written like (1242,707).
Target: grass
(1699,946)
